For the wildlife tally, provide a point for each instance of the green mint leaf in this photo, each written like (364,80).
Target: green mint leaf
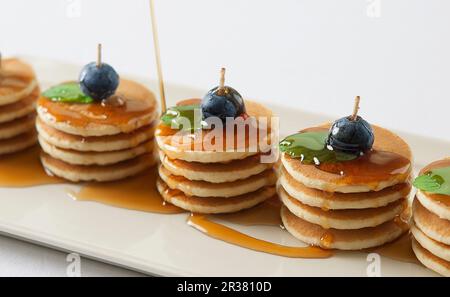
(183,117)
(68,93)
(436,181)
(311,148)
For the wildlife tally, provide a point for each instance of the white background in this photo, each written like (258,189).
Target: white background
(311,54)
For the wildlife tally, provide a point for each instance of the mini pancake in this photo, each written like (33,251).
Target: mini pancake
(342,239)
(346,219)
(336,201)
(77,173)
(431,261)
(18,143)
(313,177)
(194,151)
(430,224)
(226,190)
(19,108)
(213,205)
(132,107)
(215,172)
(17,81)
(95,158)
(17,126)
(436,248)
(436,203)
(116,142)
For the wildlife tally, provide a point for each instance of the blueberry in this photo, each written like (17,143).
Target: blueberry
(222,103)
(351,135)
(98,81)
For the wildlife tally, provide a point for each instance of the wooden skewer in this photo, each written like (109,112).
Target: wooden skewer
(99,55)
(221,88)
(356,108)
(158,57)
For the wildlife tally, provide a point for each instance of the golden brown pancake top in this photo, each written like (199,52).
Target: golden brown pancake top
(138,102)
(386,142)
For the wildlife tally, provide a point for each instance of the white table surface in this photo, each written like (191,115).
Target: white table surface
(312,54)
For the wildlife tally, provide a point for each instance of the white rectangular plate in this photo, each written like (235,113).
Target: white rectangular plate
(165,244)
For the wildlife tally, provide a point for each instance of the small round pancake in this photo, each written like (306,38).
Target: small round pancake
(18,143)
(214,205)
(95,158)
(345,219)
(132,107)
(215,172)
(431,261)
(430,224)
(106,143)
(341,239)
(436,203)
(19,108)
(229,189)
(336,201)
(194,150)
(313,177)
(17,81)
(77,173)
(436,248)
(17,126)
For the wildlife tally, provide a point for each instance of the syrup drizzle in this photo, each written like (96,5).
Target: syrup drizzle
(232,236)
(24,169)
(138,193)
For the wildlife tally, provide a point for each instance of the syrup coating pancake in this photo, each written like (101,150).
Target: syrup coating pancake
(385,141)
(342,239)
(214,205)
(95,158)
(328,200)
(431,261)
(345,219)
(19,108)
(17,126)
(116,142)
(18,81)
(430,224)
(215,172)
(226,190)
(132,107)
(18,143)
(195,150)
(436,248)
(77,173)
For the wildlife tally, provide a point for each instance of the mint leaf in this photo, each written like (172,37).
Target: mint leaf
(436,181)
(183,117)
(68,93)
(311,147)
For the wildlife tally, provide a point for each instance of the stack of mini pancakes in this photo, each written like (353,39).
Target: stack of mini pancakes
(327,210)
(19,92)
(431,227)
(210,182)
(101,141)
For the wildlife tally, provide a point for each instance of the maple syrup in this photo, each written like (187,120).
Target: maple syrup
(135,193)
(24,169)
(138,102)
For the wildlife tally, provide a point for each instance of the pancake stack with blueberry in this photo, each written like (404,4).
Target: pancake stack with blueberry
(99,128)
(431,217)
(19,92)
(209,166)
(344,186)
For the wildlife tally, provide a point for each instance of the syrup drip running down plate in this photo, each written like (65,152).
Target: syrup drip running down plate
(161,244)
